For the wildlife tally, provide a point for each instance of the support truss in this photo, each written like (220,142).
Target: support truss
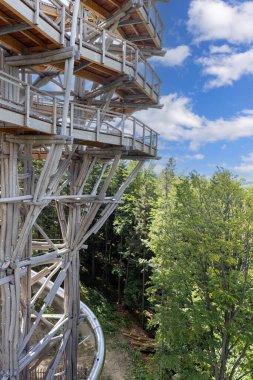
(69,82)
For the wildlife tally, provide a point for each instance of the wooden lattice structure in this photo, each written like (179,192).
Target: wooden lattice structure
(71,75)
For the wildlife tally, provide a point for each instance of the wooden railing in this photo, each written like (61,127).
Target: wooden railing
(102,41)
(154,18)
(57,9)
(87,118)
(33,102)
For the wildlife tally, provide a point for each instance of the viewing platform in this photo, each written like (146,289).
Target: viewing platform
(100,55)
(72,73)
(27,109)
(140,24)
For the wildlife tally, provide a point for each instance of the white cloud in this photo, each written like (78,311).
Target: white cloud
(173,119)
(197,156)
(177,122)
(214,49)
(246,165)
(173,57)
(220,20)
(227,68)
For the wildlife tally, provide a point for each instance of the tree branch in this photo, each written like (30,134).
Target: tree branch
(237,362)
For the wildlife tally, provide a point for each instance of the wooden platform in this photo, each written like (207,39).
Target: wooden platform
(100,56)
(142,23)
(26,109)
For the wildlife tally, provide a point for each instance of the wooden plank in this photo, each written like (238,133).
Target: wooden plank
(50,56)
(26,14)
(12,43)
(14,28)
(95,8)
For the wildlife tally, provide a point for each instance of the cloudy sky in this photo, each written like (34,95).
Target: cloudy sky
(207,90)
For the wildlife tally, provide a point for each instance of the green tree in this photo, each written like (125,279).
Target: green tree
(132,223)
(202,282)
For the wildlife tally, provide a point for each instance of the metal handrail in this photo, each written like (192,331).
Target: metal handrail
(34,102)
(149,6)
(96,328)
(136,60)
(127,52)
(125,125)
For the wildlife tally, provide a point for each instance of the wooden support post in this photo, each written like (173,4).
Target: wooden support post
(98,124)
(136,62)
(36,12)
(26,189)
(63,13)
(123,56)
(103,47)
(27,105)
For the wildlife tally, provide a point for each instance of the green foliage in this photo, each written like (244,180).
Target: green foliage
(132,223)
(40,302)
(102,308)
(202,278)
(141,371)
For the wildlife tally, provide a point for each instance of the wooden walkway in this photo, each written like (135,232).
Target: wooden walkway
(27,108)
(71,75)
(100,55)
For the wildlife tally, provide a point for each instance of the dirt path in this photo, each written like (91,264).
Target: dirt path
(118,362)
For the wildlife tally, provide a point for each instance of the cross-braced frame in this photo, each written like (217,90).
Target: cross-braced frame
(69,83)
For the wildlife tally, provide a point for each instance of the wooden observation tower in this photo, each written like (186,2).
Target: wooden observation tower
(71,75)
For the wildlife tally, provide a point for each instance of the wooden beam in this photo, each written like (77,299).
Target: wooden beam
(34,38)
(11,43)
(106,87)
(49,10)
(95,8)
(44,57)
(139,38)
(130,22)
(14,28)
(81,66)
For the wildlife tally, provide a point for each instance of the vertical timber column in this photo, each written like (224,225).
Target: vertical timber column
(71,285)
(26,280)
(10,288)
(69,67)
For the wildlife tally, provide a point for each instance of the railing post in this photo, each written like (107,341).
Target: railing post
(145,75)
(134,130)
(63,17)
(123,130)
(151,140)
(124,56)
(85,31)
(136,62)
(149,6)
(54,116)
(71,126)
(98,124)
(103,47)
(27,105)
(152,85)
(143,138)
(80,33)
(37,12)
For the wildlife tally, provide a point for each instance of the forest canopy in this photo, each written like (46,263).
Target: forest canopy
(202,279)
(178,254)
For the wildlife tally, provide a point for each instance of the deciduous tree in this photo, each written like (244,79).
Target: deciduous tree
(202,282)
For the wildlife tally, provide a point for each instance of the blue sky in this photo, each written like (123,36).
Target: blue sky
(207,89)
